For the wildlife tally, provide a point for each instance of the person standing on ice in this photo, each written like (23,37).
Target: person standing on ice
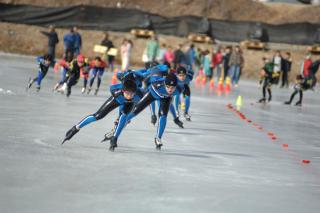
(162,89)
(44,63)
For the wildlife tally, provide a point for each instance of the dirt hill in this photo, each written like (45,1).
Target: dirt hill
(238,10)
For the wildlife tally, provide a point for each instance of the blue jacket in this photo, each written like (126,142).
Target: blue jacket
(69,41)
(42,67)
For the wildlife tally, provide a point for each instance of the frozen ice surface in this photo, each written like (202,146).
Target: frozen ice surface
(218,163)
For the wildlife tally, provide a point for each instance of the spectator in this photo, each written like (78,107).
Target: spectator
(198,59)
(109,58)
(277,60)
(217,63)
(69,43)
(236,62)
(162,52)
(305,66)
(52,41)
(190,56)
(226,58)
(125,50)
(286,68)
(178,56)
(77,41)
(152,49)
(169,56)
(206,64)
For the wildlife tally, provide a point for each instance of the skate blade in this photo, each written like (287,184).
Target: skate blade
(63,141)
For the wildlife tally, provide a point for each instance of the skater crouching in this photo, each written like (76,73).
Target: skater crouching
(161,89)
(44,64)
(302,84)
(122,95)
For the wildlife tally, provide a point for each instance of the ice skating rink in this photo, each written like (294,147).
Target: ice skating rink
(266,158)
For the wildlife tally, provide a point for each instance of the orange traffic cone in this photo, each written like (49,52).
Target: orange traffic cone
(204,81)
(228,85)
(211,84)
(198,79)
(220,85)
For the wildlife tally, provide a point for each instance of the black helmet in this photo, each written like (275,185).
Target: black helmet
(181,70)
(47,57)
(129,85)
(171,80)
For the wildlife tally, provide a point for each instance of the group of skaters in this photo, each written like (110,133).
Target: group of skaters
(71,71)
(279,67)
(154,84)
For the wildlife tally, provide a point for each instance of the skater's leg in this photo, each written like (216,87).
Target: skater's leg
(187,95)
(176,119)
(163,112)
(71,81)
(106,108)
(123,118)
(98,82)
(85,82)
(91,81)
(301,96)
(269,93)
(146,100)
(39,78)
(292,96)
(177,101)
(173,111)
(100,74)
(153,108)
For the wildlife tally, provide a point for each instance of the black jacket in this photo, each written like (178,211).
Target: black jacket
(285,65)
(53,38)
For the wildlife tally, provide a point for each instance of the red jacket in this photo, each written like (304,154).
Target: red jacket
(93,64)
(216,59)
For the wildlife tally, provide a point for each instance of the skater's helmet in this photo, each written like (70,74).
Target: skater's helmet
(47,57)
(181,70)
(171,80)
(129,85)
(80,58)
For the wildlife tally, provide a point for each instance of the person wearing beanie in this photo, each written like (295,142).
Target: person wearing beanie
(162,90)
(123,95)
